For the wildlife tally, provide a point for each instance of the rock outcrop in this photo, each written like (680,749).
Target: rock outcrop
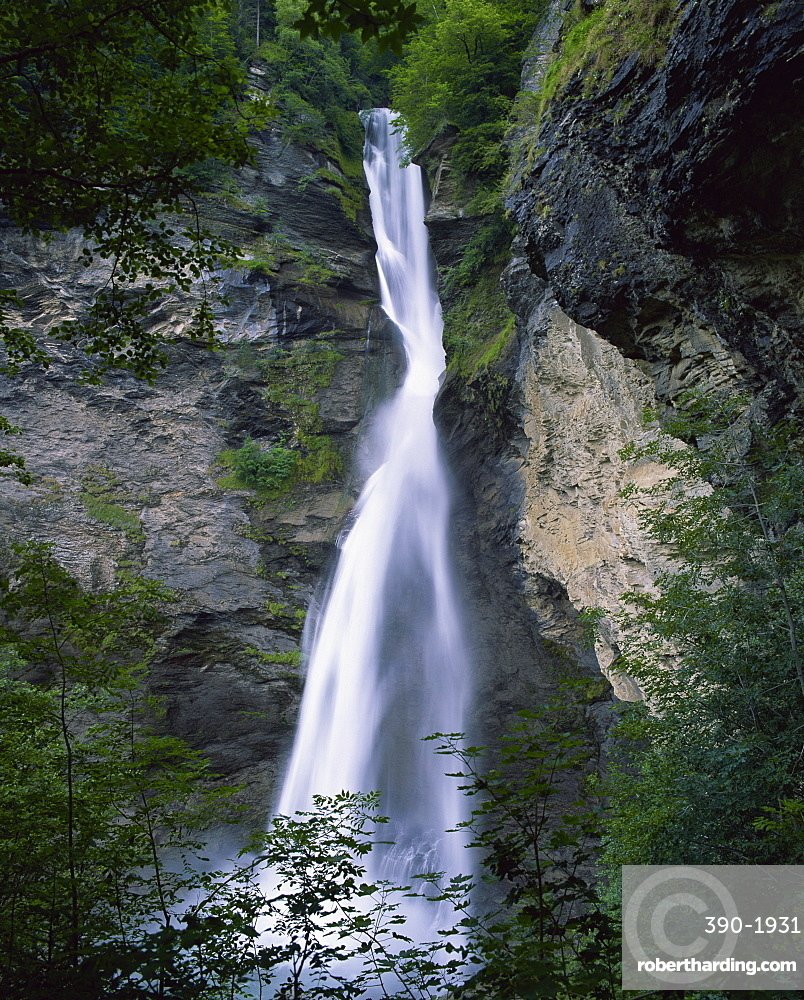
(665,208)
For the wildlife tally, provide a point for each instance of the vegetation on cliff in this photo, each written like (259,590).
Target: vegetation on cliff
(317,86)
(710,766)
(595,42)
(104,888)
(461,70)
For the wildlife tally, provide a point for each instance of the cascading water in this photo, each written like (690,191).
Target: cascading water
(387,662)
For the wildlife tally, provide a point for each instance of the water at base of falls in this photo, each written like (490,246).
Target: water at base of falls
(386,659)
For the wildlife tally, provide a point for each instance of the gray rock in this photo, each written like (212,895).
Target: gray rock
(242,570)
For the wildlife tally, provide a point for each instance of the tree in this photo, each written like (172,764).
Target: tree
(93,798)
(462,69)
(537,826)
(711,767)
(105,108)
(105,890)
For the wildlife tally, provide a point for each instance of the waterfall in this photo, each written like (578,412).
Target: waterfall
(386,658)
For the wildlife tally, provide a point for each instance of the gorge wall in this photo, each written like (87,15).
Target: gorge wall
(659,251)
(128,476)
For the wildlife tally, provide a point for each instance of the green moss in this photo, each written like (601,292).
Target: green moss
(309,267)
(597,43)
(321,461)
(103,500)
(347,192)
(294,377)
(488,246)
(488,392)
(301,369)
(286,616)
(289,658)
(115,515)
(477,322)
(306,264)
(478,325)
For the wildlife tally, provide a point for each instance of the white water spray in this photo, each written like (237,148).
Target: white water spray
(387,663)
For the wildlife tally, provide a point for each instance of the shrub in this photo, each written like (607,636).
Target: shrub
(270,471)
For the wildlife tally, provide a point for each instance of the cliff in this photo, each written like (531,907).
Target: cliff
(659,251)
(128,476)
(663,205)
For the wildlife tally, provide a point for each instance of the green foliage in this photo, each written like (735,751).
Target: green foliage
(537,826)
(276,470)
(320,908)
(11,463)
(104,109)
(717,650)
(478,323)
(270,471)
(91,795)
(462,70)
(317,85)
(390,22)
(93,802)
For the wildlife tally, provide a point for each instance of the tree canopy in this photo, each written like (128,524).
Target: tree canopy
(104,107)
(462,69)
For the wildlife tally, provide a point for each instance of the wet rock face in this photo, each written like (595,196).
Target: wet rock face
(542,532)
(129,476)
(450,223)
(510,662)
(666,210)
